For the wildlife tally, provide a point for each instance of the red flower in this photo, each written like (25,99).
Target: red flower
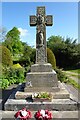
(43,115)
(23,114)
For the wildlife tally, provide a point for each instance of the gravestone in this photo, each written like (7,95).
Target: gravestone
(42,77)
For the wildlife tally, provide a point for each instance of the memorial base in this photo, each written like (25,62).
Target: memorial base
(42,78)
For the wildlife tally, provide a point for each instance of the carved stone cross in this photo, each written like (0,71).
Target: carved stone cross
(41,21)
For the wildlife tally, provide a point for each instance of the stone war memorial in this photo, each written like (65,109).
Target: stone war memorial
(42,79)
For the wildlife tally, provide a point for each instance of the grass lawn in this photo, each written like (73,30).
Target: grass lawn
(72,81)
(75,71)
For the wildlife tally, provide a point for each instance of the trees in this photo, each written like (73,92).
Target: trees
(25,58)
(66,52)
(12,41)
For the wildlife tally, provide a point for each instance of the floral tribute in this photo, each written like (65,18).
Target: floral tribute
(43,115)
(23,114)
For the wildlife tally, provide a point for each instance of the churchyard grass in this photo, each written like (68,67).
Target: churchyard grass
(72,75)
(73,83)
(75,71)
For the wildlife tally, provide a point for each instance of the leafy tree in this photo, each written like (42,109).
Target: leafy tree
(65,51)
(12,41)
(33,55)
(25,59)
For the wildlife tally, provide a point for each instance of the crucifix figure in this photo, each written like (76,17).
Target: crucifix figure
(41,21)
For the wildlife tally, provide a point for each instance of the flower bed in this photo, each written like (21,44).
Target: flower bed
(42,97)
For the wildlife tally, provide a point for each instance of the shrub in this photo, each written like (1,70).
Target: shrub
(6,56)
(61,76)
(5,83)
(16,66)
(51,58)
(16,74)
(11,75)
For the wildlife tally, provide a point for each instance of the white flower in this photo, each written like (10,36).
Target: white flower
(35,95)
(24,113)
(42,112)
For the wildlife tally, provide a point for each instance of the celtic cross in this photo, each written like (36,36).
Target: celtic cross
(41,21)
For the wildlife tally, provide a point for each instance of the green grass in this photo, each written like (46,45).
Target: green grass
(75,71)
(74,83)
(73,75)
(70,80)
(77,76)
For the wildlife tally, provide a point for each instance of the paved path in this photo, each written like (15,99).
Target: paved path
(75,92)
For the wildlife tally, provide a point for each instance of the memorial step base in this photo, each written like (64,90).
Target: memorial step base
(57,115)
(57,104)
(61,94)
(41,89)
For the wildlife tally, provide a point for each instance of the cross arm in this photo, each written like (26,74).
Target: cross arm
(33,20)
(49,20)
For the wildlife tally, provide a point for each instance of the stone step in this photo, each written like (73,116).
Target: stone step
(57,115)
(62,94)
(41,89)
(41,67)
(56,104)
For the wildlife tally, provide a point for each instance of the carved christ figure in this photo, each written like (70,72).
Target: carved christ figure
(41,37)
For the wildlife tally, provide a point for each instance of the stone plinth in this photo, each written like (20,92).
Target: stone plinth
(41,68)
(42,78)
(60,101)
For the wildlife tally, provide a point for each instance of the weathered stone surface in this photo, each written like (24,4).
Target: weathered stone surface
(41,89)
(41,21)
(57,115)
(22,95)
(41,68)
(40,55)
(56,104)
(43,79)
(62,94)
